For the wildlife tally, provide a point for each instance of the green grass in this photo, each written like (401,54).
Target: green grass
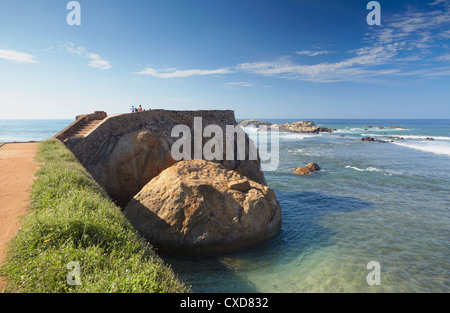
(72,219)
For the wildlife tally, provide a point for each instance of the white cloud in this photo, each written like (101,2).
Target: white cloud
(95,60)
(16,56)
(241,84)
(350,69)
(98,62)
(174,73)
(436,2)
(313,53)
(445,57)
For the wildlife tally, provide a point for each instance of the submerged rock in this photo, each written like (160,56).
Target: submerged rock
(200,207)
(396,137)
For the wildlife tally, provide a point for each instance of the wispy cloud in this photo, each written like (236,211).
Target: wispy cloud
(313,53)
(403,42)
(98,62)
(445,57)
(16,56)
(95,60)
(174,73)
(437,2)
(241,84)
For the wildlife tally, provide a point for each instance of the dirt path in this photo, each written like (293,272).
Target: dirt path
(17,168)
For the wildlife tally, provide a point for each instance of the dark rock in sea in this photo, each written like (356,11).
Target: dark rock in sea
(429,138)
(396,127)
(368,139)
(397,138)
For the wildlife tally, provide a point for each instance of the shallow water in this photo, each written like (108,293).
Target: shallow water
(372,201)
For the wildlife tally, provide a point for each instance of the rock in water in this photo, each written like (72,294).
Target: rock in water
(308,169)
(200,207)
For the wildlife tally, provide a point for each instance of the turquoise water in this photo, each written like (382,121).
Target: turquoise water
(372,201)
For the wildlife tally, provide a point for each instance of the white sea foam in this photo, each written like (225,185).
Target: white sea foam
(433,147)
(406,137)
(355,168)
(298,136)
(425,137)
(374,169)
(253,131)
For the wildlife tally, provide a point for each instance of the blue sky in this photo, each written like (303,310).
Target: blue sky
(262,59)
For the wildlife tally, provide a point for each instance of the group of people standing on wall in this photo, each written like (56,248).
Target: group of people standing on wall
(138,109)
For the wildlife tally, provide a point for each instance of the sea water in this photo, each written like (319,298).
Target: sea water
(30,130)
(387,202)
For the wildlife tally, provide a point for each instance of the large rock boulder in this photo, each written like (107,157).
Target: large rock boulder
(308,169)
(133,161)
(200,207)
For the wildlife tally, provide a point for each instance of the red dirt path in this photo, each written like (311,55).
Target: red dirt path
(17,168)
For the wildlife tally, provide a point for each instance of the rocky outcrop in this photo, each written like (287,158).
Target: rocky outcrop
(126,151)
(255,123)
(396,127)
(383,127)
(302,127)
(296,127)
(368,139)
(308,169)
(200,207)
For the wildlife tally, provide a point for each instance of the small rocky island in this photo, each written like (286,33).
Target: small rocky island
(295,127)
(190,206)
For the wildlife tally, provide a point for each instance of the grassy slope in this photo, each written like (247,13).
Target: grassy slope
(73,219)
